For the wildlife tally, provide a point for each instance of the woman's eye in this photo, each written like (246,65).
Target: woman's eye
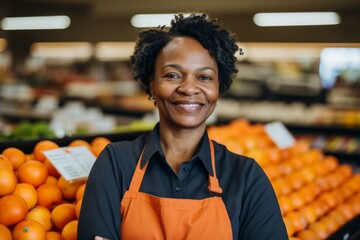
(172,76)
(205,77)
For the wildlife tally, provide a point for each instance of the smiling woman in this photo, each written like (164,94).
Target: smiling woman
(175,182)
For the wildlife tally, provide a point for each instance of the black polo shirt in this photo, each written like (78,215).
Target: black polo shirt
(247,193)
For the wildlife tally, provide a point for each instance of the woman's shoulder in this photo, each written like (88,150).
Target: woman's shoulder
(125,149)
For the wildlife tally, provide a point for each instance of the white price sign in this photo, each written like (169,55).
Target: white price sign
(280,135)
(73,163)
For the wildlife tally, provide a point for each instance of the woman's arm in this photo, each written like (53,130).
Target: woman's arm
(261,217)
(100,211)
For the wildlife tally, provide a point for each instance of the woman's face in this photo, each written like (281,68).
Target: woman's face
(185,84)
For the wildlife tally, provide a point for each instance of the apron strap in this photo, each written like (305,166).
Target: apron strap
(139,173)
(214,186)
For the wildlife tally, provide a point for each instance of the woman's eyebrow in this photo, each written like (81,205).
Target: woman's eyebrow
(180,67)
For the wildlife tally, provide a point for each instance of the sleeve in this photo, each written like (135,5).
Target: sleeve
(261,217)
(100,210)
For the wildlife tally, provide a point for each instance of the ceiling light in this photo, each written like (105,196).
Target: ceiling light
(153,20)
(296,19)
(32,23)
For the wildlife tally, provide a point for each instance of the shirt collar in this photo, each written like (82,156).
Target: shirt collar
(152,146)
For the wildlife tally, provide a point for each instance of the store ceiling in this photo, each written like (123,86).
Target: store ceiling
(108,8)
(109,20)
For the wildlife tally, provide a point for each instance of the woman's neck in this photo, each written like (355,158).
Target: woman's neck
(180,145)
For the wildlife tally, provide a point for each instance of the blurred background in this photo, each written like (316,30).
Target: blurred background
(77,79)
(72,83)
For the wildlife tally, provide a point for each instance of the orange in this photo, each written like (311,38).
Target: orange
(41,146)
(69,232)
(308,194)
(13,209)
(8,181)
(33,172)
(98,144)
(331,223)
(308,174)
(320,229)
(296,180)
(259,155)
(80,192)
(49,195)
(52,171)
(5,233)
(63,214)
(68,189)
(346,210)
(323,183)
(345,170)
(309,212)
(79,142)
(331,163)
(307,234)
(273,154)
(51,179)
(286,168)
(15,156)
(4,162)
(282,187)
(78,208)
(52,235)
(298,220)
(285,204)
(289,226)
(28,230)
(29,156)
(28,193)
(41,215)
(272,171)
(338,216)
(329,199)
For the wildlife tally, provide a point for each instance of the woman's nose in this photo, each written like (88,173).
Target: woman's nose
(189,86)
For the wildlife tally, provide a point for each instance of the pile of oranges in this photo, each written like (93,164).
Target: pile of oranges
(36,202)
(317,194)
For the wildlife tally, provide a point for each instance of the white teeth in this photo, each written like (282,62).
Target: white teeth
(190,105)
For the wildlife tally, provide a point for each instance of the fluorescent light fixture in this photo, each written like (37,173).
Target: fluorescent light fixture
(3,44)
(296,19)
(62,50)
(153,20)
(33,23)
(114,51)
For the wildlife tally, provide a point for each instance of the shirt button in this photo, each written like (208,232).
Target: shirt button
(178,188)
(186,169)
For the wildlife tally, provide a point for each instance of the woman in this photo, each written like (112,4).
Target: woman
(175,183)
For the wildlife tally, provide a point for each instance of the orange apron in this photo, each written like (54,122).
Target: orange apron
(145,216)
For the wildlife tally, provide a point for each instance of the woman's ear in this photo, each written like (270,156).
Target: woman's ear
(152,87)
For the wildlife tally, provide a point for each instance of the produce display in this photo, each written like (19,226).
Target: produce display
(35,200)
(26,130)
(317,194)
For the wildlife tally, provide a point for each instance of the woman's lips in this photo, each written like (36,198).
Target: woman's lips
(189,107)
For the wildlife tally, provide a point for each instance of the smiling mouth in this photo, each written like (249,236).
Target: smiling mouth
(190,107)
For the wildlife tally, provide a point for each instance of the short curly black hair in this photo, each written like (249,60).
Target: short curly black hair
(220,43)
